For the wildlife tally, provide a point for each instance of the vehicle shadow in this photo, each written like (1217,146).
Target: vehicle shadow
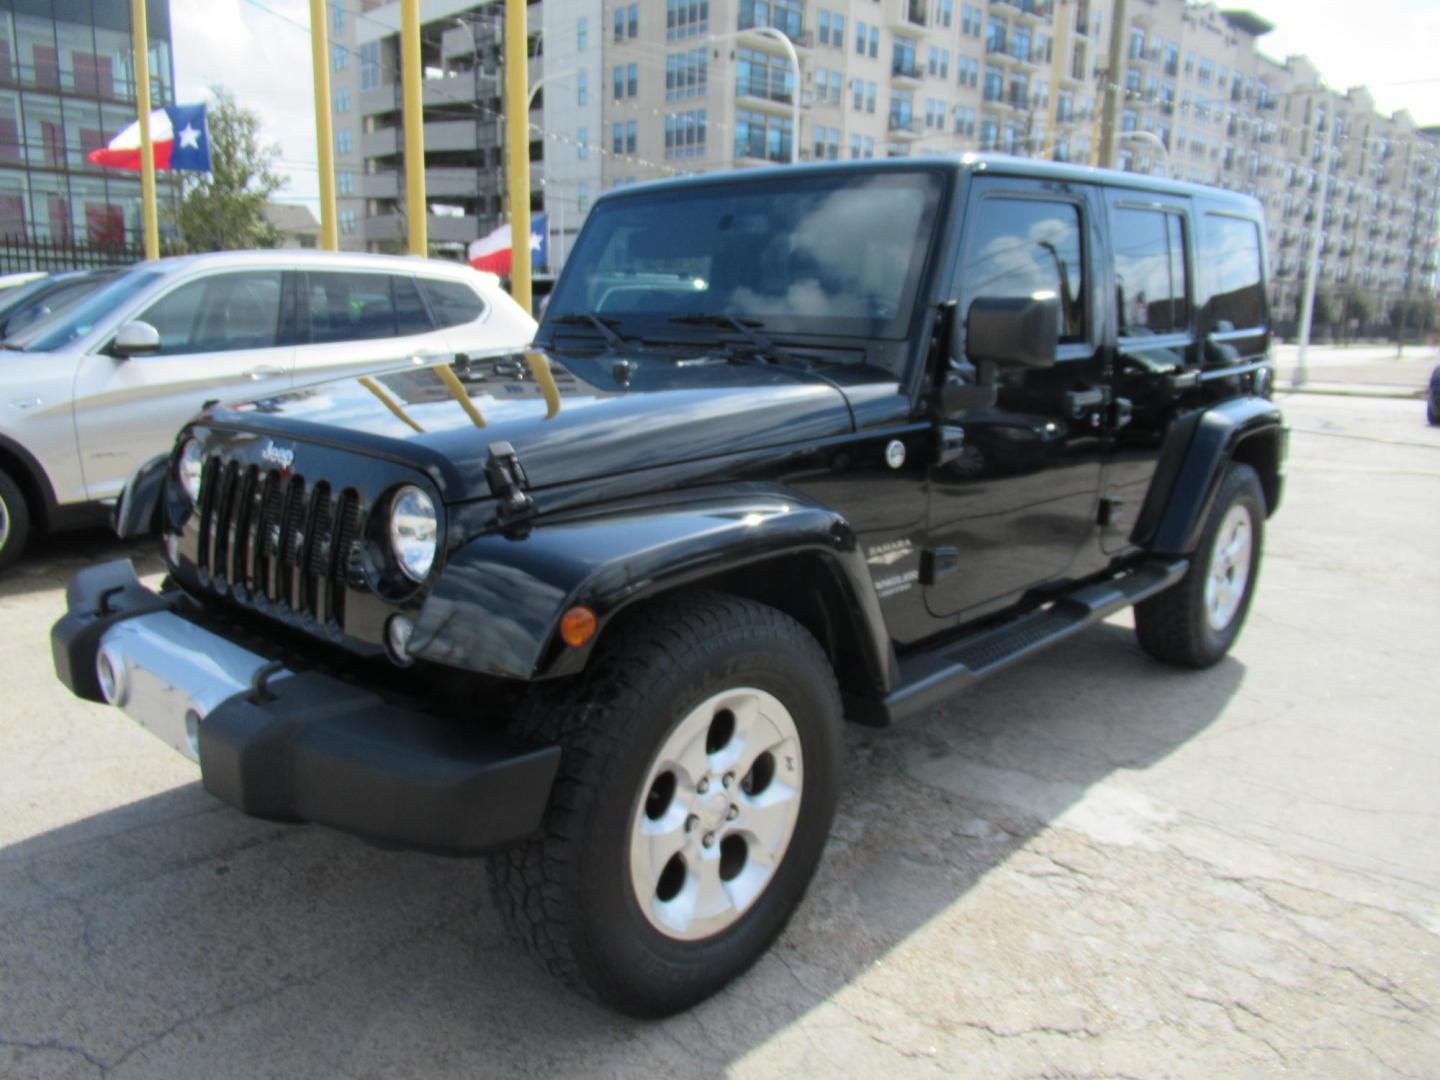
(173,936)
(49,562)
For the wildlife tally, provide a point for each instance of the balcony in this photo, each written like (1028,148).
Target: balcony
(905,127)
(761,91)
(906,69)
(1036,9)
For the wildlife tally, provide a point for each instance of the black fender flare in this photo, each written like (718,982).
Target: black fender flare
(496,606)
(1198,448)
(140,498)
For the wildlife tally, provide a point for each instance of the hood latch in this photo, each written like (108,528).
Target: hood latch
(508,481)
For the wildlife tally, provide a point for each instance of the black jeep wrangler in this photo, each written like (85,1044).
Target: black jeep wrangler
(791,446)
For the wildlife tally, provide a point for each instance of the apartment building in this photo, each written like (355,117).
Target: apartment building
(635,90)
(67,84)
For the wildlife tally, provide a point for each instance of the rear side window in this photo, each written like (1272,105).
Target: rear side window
(1150,286)
(358,307)
(1234,282)
(220,313)
(452,302)
(1023,246)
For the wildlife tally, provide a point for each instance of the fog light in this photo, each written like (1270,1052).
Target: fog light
(111,675)
(397,639)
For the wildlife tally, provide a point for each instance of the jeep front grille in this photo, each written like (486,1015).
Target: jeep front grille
(272,540)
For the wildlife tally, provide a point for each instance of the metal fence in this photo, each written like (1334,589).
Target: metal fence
(21,253)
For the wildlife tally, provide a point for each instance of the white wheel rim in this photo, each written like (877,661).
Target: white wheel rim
(716,813)
(1229,571)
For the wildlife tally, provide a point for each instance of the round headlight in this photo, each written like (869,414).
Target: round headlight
(189,468)
(413,532)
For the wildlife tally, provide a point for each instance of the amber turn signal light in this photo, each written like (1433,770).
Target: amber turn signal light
(577,626)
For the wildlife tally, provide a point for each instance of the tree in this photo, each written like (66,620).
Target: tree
(1358,309)
(1323,313)
(224,209)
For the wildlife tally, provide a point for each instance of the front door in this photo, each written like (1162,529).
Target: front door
(1015,499)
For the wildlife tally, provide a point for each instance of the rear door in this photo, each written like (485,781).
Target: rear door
(361,321)
(1016,500)
(224,336)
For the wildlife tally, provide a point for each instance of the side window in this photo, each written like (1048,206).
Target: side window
(1019,247)
(452,302)
(410,314)
(349,307)
(1234,283)
(1150,286)
(221,313)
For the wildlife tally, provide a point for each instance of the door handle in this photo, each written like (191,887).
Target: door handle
(1079,402)
(255,374)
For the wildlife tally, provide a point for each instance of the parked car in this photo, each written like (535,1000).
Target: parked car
(130,363)
(22,277)
(49,295)
(793,445)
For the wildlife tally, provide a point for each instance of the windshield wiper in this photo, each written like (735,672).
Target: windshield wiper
(582,318)
(764,347)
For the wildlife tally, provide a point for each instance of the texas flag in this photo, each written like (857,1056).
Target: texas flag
(178,137)
(492,252)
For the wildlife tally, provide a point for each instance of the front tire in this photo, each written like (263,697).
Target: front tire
(14,521)
(1194,622)
(696,789)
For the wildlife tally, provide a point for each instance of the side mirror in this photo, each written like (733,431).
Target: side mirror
(135,339)
(1013,331)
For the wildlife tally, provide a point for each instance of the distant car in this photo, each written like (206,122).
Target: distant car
(48,295)
(127,365)
(1432,404)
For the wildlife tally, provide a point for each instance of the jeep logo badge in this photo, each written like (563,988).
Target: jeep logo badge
(277,456)
(895,454)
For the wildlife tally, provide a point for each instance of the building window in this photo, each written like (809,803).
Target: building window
(902,56)
(619,81)
(337,19)
(582,31)
(859,38)
(685,134)
(947,11)
(685,18)
(762,75)
(783,15)
(874,42)
(582,197)
(837,31)
(617,138)
(342,141)
(345,183)
(582,143)
(631,129)
(619,24)
(762,137)
(342,99)
(686,74)
(339,57)
(632,79)
(994,83)
(824,27)
(632,20)
(369,65)
(582,88)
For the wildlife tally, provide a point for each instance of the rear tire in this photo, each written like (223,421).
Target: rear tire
(1195,621)
(14,521)
(677,845)
(1431,415)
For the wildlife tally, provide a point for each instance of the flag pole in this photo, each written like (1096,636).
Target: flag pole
(324,133)
(517,120)
(414,122)
(141,35)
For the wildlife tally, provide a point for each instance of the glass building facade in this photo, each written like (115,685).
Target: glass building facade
(67,86)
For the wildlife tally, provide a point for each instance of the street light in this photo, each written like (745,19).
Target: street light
(1149,136)
(789,47)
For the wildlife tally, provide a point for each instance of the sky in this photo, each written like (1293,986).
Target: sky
(256,48)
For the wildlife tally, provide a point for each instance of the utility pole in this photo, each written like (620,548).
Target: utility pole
(1312,263)
(141,34)
(517,138)
(414,122)
(1114,83)
(324,132)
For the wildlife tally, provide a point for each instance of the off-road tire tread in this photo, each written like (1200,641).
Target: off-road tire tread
(1169,625)
(535,883)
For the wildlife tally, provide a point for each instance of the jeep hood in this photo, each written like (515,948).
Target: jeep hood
(566,421)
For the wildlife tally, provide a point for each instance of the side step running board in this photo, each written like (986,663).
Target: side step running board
(928,679)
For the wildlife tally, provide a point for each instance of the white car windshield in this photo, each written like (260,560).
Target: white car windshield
(75,322)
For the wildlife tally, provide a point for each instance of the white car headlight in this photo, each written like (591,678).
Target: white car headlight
(414,532)
(190,467)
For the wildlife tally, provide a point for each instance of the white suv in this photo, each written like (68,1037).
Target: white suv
(95,391)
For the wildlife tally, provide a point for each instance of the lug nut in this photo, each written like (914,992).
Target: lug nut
(691,822)
(703,786)
(709,840)
(732,813)
(729,779)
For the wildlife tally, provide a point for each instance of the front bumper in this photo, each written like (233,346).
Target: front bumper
(294,745)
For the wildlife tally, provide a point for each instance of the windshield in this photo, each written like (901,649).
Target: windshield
(832,254)
(75,322)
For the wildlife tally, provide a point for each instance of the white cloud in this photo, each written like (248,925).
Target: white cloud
(265,59)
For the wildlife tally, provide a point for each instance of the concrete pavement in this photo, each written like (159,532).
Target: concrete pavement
(1091,865)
